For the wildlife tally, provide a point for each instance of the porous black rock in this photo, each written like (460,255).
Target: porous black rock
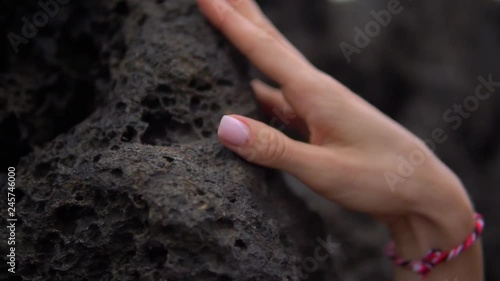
(112,110)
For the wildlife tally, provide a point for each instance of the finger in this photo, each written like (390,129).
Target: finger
(251,10)
(274,105)
(271,57)
(263,145)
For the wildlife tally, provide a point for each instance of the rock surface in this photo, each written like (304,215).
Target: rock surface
(113,109)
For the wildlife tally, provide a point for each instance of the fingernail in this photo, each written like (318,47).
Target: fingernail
(233,131)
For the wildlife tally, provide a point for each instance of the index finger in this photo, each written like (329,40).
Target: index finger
(267,54)
(251,10)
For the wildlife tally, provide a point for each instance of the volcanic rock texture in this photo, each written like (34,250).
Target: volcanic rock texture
(109,115)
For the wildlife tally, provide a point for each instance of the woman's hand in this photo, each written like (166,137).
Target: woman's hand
(356,156)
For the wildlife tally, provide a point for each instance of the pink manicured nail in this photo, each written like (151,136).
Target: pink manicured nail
(233,131)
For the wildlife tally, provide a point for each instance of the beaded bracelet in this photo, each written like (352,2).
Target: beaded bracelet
(435,257)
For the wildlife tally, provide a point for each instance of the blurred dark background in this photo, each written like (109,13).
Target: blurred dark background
(426,60)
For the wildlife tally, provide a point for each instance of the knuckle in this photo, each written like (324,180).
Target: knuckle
(223,19)
(274,149)
(248,153)
(261,23)
(261,41)
(268,28)
(235,2)
(310,80)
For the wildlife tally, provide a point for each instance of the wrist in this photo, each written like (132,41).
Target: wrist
(414,236)
(442,220)
(466,259)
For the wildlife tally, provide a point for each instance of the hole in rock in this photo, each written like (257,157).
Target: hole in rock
(164,88)
(129,134)
(240,244)
(157,253)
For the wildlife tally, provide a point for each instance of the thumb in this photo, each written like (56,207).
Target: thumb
(264,145)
